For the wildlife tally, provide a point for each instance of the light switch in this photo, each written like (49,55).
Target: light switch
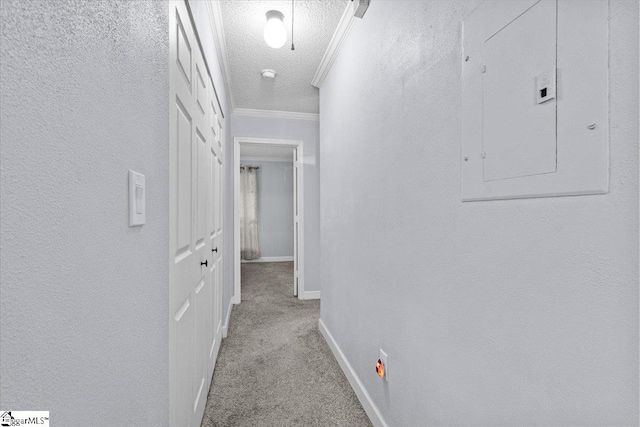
(546,86)
(136,199)
(139,198)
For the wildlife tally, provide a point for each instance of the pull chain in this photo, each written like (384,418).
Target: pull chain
(292,17)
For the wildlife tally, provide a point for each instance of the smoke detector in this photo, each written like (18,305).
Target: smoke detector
(268,74)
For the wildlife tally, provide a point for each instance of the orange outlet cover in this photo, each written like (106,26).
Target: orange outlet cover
(380,368)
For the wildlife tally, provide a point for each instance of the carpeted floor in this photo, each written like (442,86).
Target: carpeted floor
(274,368)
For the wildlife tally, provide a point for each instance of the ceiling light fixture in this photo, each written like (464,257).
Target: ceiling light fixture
(274,32)
(268,74)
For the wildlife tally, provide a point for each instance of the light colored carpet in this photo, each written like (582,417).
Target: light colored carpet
(274,368)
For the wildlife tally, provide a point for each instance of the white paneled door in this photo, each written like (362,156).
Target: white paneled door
(195,236)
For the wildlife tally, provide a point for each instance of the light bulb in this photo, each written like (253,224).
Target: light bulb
(274,32)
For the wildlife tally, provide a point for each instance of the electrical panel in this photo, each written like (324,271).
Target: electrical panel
(535,99)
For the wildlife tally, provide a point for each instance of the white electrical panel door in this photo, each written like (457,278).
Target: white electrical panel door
(535,99)
(519,134)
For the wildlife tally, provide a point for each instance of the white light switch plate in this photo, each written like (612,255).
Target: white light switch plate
(137,196)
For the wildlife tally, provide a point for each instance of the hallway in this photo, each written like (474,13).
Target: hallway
(274,368)
(454,184)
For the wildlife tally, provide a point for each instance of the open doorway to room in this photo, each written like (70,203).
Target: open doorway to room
(268,208)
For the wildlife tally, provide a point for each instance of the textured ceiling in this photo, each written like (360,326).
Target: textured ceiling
(248,54)
(265,150)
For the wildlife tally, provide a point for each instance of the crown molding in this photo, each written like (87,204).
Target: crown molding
(337,40)
(276,114)
(215,19)
(266,159)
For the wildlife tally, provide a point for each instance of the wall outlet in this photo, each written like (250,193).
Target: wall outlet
(385,363)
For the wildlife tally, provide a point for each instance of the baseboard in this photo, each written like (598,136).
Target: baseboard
(225,327)
(365,400)
(311,295)
(270,259)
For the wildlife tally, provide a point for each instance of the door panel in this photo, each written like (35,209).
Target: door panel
(195,201)
(201,199)
(201,88)
(182,363)
(219,198)
(201,292)
(184,37)
(181,233)
(213,301)
(202,302)
(183,147)
(216,304)
(218,133)
(219,296)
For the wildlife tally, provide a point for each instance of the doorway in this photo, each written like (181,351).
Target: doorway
(298,208)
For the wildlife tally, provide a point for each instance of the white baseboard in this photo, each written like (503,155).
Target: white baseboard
(365,400)
(225,327)
(311,295)
(270,259)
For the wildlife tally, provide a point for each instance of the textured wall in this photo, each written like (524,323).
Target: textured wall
(275,207)
(84,300)
(513,312)
(307,131)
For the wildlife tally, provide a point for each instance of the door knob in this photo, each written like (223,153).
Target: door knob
(214,250)
(205,263)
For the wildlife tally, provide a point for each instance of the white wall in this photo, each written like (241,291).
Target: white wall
(492,313)
(84,296)
(275,207)
(307,131)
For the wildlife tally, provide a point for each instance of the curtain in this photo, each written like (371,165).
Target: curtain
(249,247)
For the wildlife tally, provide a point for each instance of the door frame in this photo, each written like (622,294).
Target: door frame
(298,197)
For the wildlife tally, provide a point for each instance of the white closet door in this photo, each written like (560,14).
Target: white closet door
(195,268)
(184,258)
(217,192)
(219,234)
(202,294)
(214,232)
